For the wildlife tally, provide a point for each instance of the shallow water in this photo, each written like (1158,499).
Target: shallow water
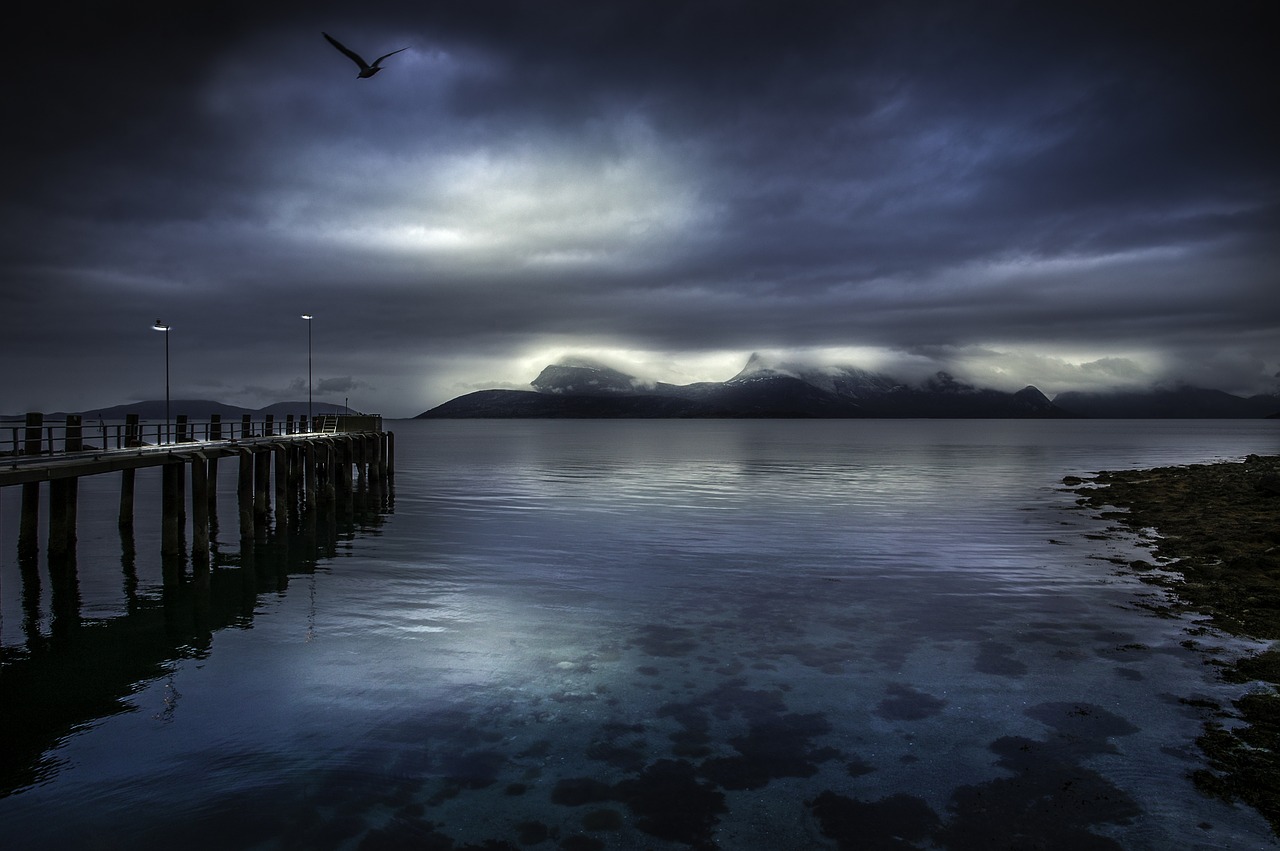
(634,634)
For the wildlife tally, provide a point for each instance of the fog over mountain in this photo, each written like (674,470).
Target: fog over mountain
(580,387)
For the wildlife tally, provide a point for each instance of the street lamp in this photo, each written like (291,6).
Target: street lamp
(310,419)
(160,326)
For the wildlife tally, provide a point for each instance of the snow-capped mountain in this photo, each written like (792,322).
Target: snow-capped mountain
(762,389)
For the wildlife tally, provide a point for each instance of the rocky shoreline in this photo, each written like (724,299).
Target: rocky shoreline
(1218,527)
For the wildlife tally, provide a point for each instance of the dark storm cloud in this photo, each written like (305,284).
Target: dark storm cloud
(1058,193)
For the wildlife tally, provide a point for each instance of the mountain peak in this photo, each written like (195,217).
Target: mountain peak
(1032,394)
(760,366)
(576,376)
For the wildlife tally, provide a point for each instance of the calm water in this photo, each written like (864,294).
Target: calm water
(719,634)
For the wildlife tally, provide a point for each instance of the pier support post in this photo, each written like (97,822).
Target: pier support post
(390,437)
(213,487)
(199,511)
(63,496)
(246,427)
(126,498)
(261,486)
(341,467)
(380,442)
(171,504)
(360,449)
(310,462)
(244,494)
(281,453)
(62,518)
(29,525)
(215,427)
(296,463)
(327,472)
(184,430)
(132,438)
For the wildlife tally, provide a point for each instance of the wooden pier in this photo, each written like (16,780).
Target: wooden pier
(300,488)
(317,466)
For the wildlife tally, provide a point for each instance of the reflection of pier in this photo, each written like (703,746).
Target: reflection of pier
(328,485)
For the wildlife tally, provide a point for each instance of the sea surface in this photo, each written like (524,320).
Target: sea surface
(632,635)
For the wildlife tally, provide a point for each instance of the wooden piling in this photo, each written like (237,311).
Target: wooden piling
(282,477)
(325,449)
(184,430)
(346,455)
(244,494)
(215,427)
(360,450)
(63,496)
(180,481)
(199,510)
(246,427)
(212,501)
(171,501)
(261,486)
(62,524)
(126,498)
(296,465)
(310,463)
(29,525)
(132,438)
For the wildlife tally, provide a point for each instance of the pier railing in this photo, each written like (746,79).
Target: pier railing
(35,436)
(312,470)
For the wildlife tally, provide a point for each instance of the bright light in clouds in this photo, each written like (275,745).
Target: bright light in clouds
(647,365)
(547,202)
(1054,369)
(1008,368)
(1022,266)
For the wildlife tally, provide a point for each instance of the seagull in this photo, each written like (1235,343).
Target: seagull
(366,70)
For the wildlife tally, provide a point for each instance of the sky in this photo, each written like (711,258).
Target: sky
(1075,195)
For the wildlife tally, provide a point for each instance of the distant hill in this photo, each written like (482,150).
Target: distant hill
(761,389)
(1166,403)
(195,410)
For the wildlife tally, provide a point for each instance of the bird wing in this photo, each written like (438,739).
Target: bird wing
(351,54)
(384,56)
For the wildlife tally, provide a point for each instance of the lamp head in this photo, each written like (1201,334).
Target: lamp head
(159,326)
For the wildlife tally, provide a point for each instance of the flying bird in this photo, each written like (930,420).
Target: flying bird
(366,70)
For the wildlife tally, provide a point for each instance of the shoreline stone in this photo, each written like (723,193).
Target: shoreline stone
(1218,527)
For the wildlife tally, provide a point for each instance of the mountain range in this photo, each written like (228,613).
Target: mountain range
(584,389)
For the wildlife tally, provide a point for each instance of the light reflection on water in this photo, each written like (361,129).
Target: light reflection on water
(675,634)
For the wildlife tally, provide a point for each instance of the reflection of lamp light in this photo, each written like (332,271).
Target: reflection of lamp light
(310,419)
(160,326)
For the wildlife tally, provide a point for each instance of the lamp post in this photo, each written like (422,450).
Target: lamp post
(160,326)
(311,423)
